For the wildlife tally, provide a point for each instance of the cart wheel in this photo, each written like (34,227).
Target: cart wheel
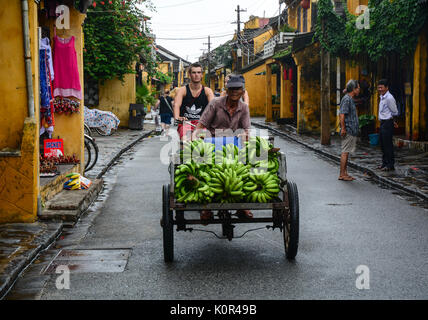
(291,222)
(167,226)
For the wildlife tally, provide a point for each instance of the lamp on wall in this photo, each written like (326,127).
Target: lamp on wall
(305,4)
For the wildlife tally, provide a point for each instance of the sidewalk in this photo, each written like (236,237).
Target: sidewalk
(411,166)
(20,243)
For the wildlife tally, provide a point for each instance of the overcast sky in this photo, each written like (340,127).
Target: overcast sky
(178,19)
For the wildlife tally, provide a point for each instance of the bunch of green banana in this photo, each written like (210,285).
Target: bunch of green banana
(74,182)
(197,148)
(261,186)
(227,180)
(191,183)
(252,149)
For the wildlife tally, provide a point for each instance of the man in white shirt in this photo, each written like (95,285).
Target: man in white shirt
(387,111)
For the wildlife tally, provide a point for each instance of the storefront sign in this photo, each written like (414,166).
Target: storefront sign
(53,147)
(63,20)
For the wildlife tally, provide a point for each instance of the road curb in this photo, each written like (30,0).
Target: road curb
(351,164)
(53,231)
(122,151)
(9,279)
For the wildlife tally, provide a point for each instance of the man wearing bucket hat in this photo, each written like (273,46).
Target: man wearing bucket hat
(227,112)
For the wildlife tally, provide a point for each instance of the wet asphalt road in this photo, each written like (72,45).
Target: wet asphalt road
(343,225)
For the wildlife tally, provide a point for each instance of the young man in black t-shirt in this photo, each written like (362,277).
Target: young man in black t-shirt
(191,100)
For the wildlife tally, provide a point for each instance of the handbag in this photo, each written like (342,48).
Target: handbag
(169,106)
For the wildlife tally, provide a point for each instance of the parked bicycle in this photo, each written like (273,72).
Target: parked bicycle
(91,152)
(105,123)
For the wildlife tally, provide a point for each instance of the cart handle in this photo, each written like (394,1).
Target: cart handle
(186,122)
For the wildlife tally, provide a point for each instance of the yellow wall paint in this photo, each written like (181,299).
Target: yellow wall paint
(260,40)
(423,84)
(286,95)
(252,24)
(70,127)
(353,5)
(19,183)
(292,17)
(419,89)
(256,87)
(19,180)
(309,90)
(13,96)
(116,96)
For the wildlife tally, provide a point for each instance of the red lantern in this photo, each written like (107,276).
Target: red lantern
(305,4)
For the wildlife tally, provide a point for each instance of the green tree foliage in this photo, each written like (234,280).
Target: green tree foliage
(115,38)
(393,27)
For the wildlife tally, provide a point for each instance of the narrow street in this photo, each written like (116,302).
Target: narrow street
(343,225)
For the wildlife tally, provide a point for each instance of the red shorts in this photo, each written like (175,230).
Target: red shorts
(186,128)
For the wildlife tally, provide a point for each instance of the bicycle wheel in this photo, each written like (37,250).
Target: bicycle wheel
(87,154)
(87,130)
(94,152)
(101,132)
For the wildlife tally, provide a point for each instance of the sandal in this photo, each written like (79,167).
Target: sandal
(346,178)
(244,214)
(206,215)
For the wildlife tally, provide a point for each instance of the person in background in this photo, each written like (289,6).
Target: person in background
(165,106)
(348,127)
(387,111)
(191,100)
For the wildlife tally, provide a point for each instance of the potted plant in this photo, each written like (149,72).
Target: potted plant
(367,125)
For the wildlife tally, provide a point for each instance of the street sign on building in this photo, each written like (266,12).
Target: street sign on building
(269,47)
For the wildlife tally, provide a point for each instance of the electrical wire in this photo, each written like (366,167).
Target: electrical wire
(197,38)
(179,4)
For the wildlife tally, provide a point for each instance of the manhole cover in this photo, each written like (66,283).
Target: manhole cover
(90,260)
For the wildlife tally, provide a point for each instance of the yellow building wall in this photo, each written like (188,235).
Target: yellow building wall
(19,182)
(286,96)
(115,96)
(292,17)
(353,5)
(260,40)
(70,127)
(252,24)
(256,87)
(13,95)
(419,89)
(309,90)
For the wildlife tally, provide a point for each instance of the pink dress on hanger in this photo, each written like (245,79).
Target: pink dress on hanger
(67,79)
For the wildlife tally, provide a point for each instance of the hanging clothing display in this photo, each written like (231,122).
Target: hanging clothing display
(46,104)
(45,44)
(67,79)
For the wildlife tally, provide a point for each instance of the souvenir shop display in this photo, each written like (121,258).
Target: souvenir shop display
(48,167)
(76,182)
(67,79)
(60,92)
(46,91)
(66,105)
(65,159)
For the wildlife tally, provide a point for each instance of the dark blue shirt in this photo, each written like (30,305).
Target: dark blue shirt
(348,108)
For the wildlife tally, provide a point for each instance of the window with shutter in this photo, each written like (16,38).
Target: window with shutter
(314,13)
(305,20)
